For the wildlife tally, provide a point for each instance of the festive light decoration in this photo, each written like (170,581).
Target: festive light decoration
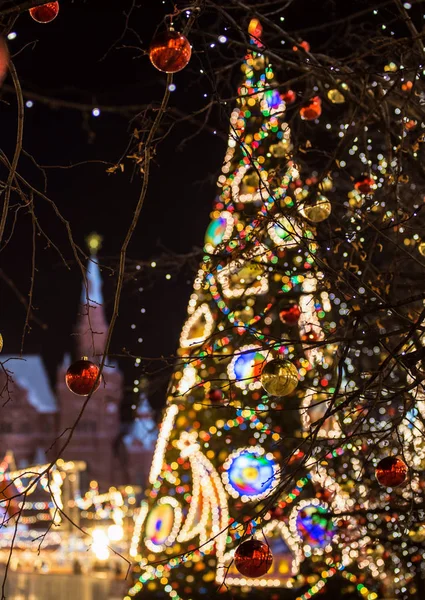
(170,51)
(81,377)
(45,13)
(318,298)
(246,367)
(250,474)
(253,558)
(279,377)
(1,342)
(391,471)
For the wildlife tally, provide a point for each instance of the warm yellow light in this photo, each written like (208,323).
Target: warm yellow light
(115,533)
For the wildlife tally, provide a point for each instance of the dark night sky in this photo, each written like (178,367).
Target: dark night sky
(64,59)
(65,62)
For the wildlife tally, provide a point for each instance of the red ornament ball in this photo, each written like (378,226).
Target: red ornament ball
(253,558)
(170,52)
(289,97)
(290,314)
(391,471)
(311,111)
(45,13)
(364,184)
(81,376)
(215,396)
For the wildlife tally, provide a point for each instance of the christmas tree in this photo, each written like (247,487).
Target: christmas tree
(297,377)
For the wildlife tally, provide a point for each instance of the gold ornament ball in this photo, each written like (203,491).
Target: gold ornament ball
(317,212)
(279,377)
(1,342)
(336,97)
(421,248)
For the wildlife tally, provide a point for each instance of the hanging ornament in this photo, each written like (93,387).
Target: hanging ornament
(305,45)
(1,342)
(81,376)
(289,97)
(365,184)
(170,51)
(421,248)
(391,471)
(215,396)
(45,13)
(279,377)
(290,314)
(317,212)
(253,558)
(311,111)
(336,97)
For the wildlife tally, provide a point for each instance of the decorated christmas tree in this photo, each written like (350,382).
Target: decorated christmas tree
(294,408)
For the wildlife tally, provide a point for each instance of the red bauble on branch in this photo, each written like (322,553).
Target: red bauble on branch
(289,97)
(391,471)
(170,51)
(365,184)
(313,110)
(290,314)
(81,377)
(253,558)
(45,13)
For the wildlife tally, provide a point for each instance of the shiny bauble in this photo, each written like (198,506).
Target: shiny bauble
(279,377)
(170,51)
(364,184)
(45,13)
(336,97)
(81,377)
(391,471)
(421,248)
(1,342)
(289,97)
(215,396)
(290,314)
(253,558)
(311,111)
(317,212)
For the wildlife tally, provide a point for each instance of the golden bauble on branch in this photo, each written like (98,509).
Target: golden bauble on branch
(317,212)
(279,377)
(421,248)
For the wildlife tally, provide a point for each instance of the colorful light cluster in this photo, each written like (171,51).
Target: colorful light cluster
(301,262)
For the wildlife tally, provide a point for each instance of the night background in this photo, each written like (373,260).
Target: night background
(87,57)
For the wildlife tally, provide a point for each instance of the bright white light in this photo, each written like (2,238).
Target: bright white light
(29,104)
(115,533)
(172,87)
(100,544)
(222,39)
(12,35)
(95,112)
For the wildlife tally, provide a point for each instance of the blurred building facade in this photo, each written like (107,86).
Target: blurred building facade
(38,418)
